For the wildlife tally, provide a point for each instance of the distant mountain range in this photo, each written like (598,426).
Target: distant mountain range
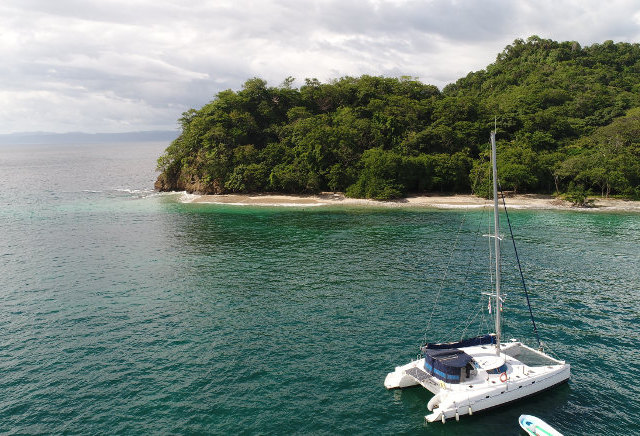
(86,138)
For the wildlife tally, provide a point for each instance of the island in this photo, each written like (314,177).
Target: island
(567,120)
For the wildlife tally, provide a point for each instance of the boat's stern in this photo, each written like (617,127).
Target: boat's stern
(399,379)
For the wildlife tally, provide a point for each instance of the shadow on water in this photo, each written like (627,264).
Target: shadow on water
(551,406)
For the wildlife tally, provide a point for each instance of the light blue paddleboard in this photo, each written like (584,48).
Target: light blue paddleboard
(537,427)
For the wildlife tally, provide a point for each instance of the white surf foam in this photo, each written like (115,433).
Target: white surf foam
(185,197)
(266,204)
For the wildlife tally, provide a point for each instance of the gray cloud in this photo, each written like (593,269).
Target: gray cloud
(118,65)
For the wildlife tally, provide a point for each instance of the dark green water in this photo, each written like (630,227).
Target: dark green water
(122,311)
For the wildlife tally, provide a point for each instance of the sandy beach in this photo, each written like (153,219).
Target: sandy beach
(526,201)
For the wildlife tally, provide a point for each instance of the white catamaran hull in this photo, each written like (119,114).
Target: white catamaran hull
(482,372)
(482,390)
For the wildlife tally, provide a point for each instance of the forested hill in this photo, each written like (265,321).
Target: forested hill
(568,119)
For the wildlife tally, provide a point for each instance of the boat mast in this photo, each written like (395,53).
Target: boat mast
(496,224)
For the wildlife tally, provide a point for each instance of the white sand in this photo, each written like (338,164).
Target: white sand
(527,201)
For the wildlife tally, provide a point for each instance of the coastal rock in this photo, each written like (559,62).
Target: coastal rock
(162,184)
(192,185)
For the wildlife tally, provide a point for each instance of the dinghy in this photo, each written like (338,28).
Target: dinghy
(537,427)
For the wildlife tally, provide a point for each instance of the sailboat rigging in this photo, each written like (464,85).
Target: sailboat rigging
(481,372)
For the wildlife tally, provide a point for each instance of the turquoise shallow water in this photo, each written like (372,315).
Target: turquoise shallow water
(122,311)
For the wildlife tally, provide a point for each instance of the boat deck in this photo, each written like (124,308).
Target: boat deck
(421,376)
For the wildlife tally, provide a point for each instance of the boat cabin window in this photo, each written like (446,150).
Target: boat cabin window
(498,370)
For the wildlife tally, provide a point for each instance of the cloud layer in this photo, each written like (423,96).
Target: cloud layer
(116,65)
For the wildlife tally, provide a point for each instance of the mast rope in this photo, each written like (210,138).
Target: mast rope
(524,286)
(444,277)
(471,320)
(468,271)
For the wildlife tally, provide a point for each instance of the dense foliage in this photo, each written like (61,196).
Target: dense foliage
(567,119)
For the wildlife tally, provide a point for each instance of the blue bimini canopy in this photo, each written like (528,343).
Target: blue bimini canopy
(445,365)
(470,342)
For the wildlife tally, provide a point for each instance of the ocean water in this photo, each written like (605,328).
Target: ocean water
(126,311)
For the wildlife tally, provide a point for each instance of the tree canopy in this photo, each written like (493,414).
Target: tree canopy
(567,118)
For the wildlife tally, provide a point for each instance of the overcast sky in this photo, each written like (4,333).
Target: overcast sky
(126,65)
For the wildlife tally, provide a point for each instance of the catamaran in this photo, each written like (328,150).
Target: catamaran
(481,372)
